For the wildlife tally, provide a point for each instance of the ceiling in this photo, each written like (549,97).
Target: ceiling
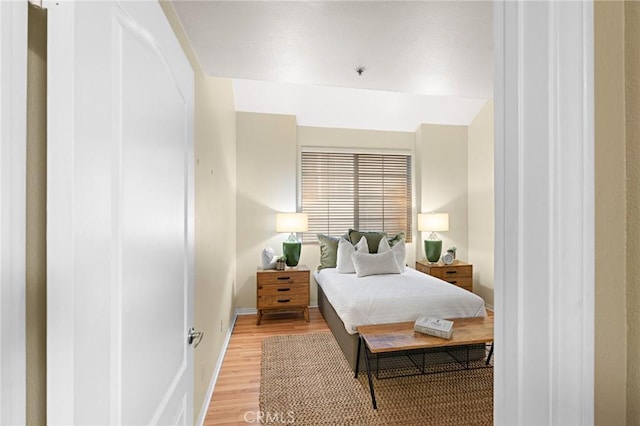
(415,53)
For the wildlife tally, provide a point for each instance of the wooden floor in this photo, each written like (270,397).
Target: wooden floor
(238,385)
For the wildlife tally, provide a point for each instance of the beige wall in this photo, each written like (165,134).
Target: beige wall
(443,176)
(215,223)
(481,202)
(632,106)
(268,147)
(36,242)
(266,176)
(215,215)
(610,220)
(356,139)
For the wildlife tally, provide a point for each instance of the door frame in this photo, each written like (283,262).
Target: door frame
(544,212)
(13,166)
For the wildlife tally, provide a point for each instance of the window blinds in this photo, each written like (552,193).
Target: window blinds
(369,192)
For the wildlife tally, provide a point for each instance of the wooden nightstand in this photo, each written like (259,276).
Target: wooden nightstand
(286,290)
(458,273)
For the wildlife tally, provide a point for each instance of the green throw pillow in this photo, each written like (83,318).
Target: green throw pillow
(328,251)
(373,238)
(396,239)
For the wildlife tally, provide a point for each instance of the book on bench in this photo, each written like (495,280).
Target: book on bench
(434,327)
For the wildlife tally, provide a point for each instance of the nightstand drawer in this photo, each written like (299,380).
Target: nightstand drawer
(464,282)
(285,277)
(285,289)
(283,301)
(452,272)
(458,273)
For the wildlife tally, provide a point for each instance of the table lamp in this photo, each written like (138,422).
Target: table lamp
(292,222)
(432,222)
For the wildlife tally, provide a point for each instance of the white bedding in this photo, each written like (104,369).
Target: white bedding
(381,299)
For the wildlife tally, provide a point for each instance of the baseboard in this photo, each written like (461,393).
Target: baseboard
(216,371)
(246,311)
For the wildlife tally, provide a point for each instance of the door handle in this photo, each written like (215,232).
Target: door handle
(194,336)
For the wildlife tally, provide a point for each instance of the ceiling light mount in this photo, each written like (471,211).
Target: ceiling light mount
(360,70)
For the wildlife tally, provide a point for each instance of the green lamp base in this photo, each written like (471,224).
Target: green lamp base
(291,251)
(433,249)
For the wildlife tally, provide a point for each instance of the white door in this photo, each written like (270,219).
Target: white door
(120,216)
(13,166)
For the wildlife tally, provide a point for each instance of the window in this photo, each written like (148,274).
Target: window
(370,192)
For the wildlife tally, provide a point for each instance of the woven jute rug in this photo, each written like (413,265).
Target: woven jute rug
(306,381)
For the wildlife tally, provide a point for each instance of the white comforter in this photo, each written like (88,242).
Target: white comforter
(381,299)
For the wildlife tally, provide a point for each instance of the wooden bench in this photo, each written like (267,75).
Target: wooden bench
(400,337)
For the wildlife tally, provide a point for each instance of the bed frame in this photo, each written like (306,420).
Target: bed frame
(349,342)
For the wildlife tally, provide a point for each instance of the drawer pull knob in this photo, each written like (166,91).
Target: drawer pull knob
(453,282)
(284,300)
(283,278)
(452,272)
(284,289)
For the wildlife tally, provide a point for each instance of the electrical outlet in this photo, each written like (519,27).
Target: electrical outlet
(221,327)
(202,370)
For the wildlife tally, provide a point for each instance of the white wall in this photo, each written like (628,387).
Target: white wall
(481,202)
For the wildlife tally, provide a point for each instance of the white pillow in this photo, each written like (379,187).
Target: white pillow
(268,258)
(344,264)
(375,264)
(383,246)
(398,249)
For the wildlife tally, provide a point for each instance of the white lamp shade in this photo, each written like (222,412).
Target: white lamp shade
(292,222)
(432,222)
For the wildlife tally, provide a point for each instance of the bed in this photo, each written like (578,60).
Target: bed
(347,301)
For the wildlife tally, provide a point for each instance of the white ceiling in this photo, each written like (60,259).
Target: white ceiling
(415,53)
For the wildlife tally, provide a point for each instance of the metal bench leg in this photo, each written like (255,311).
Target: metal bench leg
(358,356)
(373,394)
(490,355)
